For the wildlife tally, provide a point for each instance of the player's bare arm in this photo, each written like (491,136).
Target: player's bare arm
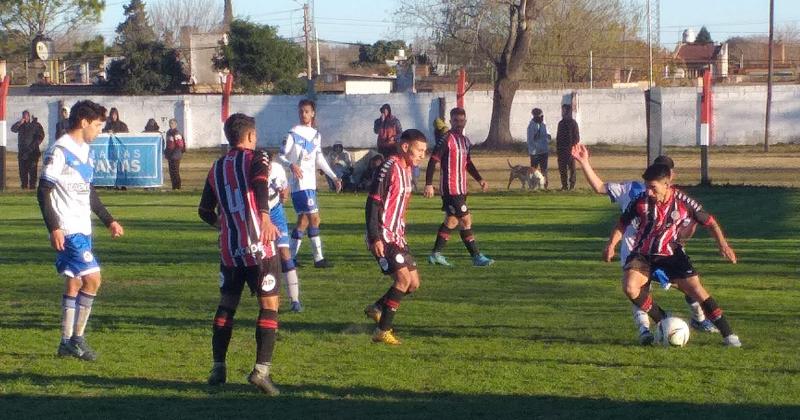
(724,249)
(376,247)
(581,154)
(613,241)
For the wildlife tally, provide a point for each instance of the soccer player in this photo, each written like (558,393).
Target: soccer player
(622,193)
(238,185)
(386,208)
(453,153)
(278,192)
(66,196)
(658,216)
(301,155)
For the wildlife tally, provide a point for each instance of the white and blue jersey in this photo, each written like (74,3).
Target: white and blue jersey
(69,167)
(303,147)
(622,194)
(278,183)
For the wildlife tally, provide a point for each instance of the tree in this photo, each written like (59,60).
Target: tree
(147,66)
(703,37)
(135,28)
(53,18)
(499,30)
(379,52)
(260,60)
(169,16)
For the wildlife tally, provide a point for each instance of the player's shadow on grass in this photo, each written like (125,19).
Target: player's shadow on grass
(166,399)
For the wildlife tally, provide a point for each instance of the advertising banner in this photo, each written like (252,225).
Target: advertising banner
(128,160)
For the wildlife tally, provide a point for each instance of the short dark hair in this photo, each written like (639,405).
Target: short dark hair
(457,111)
(656,172)
(386,107)
(665,160)
(85,110)
(236,126)
(411,135)
(309,102)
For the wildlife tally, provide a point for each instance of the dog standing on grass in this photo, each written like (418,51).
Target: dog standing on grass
(530,177)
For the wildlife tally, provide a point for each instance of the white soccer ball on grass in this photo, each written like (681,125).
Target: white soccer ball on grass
(672,331)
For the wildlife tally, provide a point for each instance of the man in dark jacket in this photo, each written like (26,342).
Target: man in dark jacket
(388,129)
(114,124)
(566,137)
(31,135)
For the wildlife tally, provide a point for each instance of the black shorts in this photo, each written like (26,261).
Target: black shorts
(676,266)
(263,280)
(455,205)
(395,258)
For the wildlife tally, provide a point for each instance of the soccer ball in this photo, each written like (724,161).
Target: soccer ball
(672,331)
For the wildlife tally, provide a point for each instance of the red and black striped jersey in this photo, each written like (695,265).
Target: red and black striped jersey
(659,223)
(452,153)
(389,194)
(231,188)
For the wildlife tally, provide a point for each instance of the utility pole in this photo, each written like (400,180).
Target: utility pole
(649,49)
(316,36)
(769,74)
(307,32)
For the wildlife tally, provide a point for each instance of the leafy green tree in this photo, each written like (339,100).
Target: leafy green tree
(147,65)
(260,60)
(703,37)
(27,18)
(379,52)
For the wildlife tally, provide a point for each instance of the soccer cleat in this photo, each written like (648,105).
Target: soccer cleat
(481,260)
(80,349)
(438,258)
(646,338)
(732,341)
(218,375)
(386,337)
(64,349)
(297,307)
(373,312)
(263,382)
(323,263)
(705,326)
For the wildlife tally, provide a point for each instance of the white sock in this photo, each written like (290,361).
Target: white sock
(82,312)
(292,285)
(697,311)
(294,246)
(640,319)
(67,317)
(262,368)
(316,247)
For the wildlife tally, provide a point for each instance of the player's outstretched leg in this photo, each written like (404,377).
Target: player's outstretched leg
(694,288)
(442,236)
(220,340)
(699,321)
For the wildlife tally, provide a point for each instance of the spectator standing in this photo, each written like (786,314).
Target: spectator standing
(388,128)
(63,123)
(538,140)
(30,136)
(567,137)
(114,124)
(174,149)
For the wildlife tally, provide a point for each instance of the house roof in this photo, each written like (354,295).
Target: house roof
(697,53)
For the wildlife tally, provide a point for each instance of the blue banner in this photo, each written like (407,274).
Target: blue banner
(129,160)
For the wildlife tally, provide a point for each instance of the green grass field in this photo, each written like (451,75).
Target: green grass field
(544,333)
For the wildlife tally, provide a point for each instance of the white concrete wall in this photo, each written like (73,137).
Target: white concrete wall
(614,116)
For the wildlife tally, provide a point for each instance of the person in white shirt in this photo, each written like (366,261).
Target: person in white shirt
(302,155)
(278,192)
(66,197)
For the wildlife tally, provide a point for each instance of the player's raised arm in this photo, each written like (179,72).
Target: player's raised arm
(581,154)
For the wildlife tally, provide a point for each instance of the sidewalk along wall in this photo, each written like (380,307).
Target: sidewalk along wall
(614,116)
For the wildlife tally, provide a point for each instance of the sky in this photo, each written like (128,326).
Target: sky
(371,20)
